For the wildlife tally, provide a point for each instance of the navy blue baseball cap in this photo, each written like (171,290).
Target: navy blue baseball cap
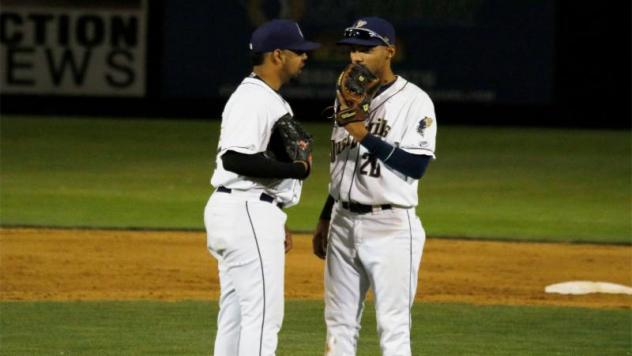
(280,34)
(369,31)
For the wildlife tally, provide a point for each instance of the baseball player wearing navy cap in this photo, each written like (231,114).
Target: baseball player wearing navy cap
(368,231)
(244,219)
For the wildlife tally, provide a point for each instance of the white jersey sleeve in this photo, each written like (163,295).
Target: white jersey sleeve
(421,132)
(247,121)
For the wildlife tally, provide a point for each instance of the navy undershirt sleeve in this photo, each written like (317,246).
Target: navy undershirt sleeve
(260,166)
(409,164)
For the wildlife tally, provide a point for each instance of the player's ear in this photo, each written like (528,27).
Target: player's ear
(278,56)
(390,50)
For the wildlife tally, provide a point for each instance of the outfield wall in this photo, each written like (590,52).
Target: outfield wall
(536,63)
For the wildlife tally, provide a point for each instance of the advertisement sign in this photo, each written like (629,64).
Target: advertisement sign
(73,48)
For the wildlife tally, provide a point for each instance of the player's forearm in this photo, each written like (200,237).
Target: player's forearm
(260,166)
(411,165)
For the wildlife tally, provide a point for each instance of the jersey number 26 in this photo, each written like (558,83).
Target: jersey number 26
(374,169)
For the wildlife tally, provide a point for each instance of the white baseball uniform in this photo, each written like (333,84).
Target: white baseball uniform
(380,249)
(245,227)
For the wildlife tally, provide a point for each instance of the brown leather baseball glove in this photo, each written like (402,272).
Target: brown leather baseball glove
(354,90)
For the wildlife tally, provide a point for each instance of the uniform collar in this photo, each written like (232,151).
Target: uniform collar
(255,80)
(384,87)
(256,77)
(390,90)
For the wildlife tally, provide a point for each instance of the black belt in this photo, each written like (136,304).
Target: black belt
(263,197)
(363,209)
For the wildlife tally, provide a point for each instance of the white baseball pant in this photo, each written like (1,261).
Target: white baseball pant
(380,250)
(246,236)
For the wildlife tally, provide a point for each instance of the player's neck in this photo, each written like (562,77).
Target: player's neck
(269,77)
(388,76)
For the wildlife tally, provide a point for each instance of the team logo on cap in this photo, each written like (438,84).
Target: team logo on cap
(424,124)
(360,23)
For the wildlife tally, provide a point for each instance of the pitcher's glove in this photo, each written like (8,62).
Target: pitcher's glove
(296,142)
(355,88)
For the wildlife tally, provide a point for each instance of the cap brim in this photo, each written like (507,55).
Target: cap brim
(304,46)
(360,42)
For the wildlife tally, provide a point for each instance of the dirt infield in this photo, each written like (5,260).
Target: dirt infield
(57,264)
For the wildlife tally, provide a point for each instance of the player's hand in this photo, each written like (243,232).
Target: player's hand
(288,240)
(319,240)
(342,103)
(357,129)
(307,165)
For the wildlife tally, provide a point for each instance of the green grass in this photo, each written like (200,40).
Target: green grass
(528,184)
(498,183)
(187,328)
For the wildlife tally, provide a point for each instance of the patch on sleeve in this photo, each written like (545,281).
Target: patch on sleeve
(424,124)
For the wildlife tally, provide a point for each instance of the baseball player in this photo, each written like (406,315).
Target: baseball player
(262,158)
(368,231)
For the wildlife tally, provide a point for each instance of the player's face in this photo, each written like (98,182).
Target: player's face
(376,58)
(293,63)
